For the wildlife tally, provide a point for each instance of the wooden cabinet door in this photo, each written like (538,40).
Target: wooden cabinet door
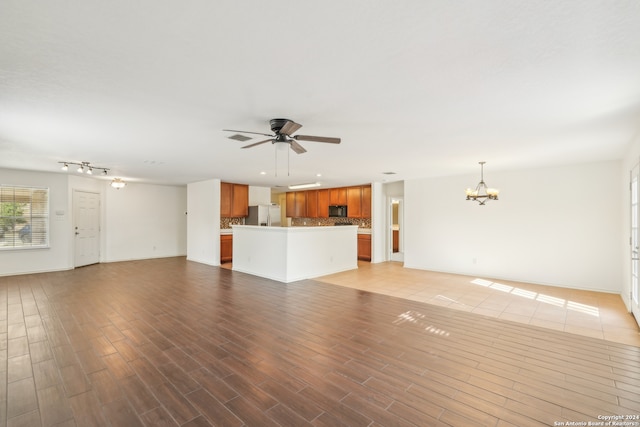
(301,204)
(354,202)
(338,196)
(240,206)
(366,201)
(291,204)
(364,247)
(323,204)
(226,248)
(226,195)
(312,203)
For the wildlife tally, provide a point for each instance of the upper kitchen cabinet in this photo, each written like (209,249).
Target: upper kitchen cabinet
(354,202)
(312,204)
(323,203)
(366,201)
(234,200)
(338,196)
(291,204)
(359,201)
(296,204)
(315,203)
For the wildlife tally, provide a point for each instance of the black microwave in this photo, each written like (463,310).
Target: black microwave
(337,211)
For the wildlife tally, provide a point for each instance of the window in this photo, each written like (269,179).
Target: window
(24,217)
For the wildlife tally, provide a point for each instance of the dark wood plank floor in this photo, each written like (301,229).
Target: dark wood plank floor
(173,343)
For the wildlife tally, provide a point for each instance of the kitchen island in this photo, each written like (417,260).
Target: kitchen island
(287,254)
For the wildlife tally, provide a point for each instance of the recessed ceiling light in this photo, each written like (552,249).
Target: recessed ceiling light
(318,175)
(388,173)
(263,173)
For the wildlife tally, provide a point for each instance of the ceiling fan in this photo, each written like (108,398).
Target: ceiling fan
(282,133)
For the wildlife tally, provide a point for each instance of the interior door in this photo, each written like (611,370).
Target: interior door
(86,227)
(635,220)
(396,229)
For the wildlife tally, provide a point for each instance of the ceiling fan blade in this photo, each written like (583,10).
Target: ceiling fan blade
(317,139)
(297,147)
(244,131)
(290,127)
(257,143)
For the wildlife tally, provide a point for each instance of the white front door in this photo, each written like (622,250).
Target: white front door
(635,231)
(86,219)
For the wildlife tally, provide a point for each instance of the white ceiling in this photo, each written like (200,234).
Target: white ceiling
(418,87)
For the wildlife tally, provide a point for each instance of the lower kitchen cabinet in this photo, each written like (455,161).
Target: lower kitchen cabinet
(226,248)
(364,247)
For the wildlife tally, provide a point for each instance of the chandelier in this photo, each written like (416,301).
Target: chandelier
(482,193)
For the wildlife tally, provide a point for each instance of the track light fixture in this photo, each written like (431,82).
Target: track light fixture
(84,167)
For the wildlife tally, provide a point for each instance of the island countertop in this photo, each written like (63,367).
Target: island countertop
(289,254)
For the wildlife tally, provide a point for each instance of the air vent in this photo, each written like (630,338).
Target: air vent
(239,137)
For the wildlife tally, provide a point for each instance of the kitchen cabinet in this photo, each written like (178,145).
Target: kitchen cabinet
(396,241)
(234,200)
(366,201)
(315,203)
(291,204)
(323,204)
(364,247)
(311,203)
(301,204)
(354,202)
(338,196)
(226,194)
(296,204)
(359,202)
(226,248)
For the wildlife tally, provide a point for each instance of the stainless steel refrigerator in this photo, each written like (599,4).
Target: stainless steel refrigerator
(267,215)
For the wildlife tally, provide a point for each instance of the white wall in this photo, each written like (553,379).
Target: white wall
(145,221)
(56,257)
(203,222)
(558,226)
(134,220)
(259,195)
(631,158)
(378,223)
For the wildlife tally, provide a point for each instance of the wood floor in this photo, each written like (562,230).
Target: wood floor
(168,342)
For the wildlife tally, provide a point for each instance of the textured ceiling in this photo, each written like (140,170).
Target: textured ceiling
(421,88)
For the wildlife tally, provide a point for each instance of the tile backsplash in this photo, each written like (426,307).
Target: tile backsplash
(228,222)
(319,222)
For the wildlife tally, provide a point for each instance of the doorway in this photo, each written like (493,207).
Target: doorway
(635,220)
(396,229)
(86,227)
